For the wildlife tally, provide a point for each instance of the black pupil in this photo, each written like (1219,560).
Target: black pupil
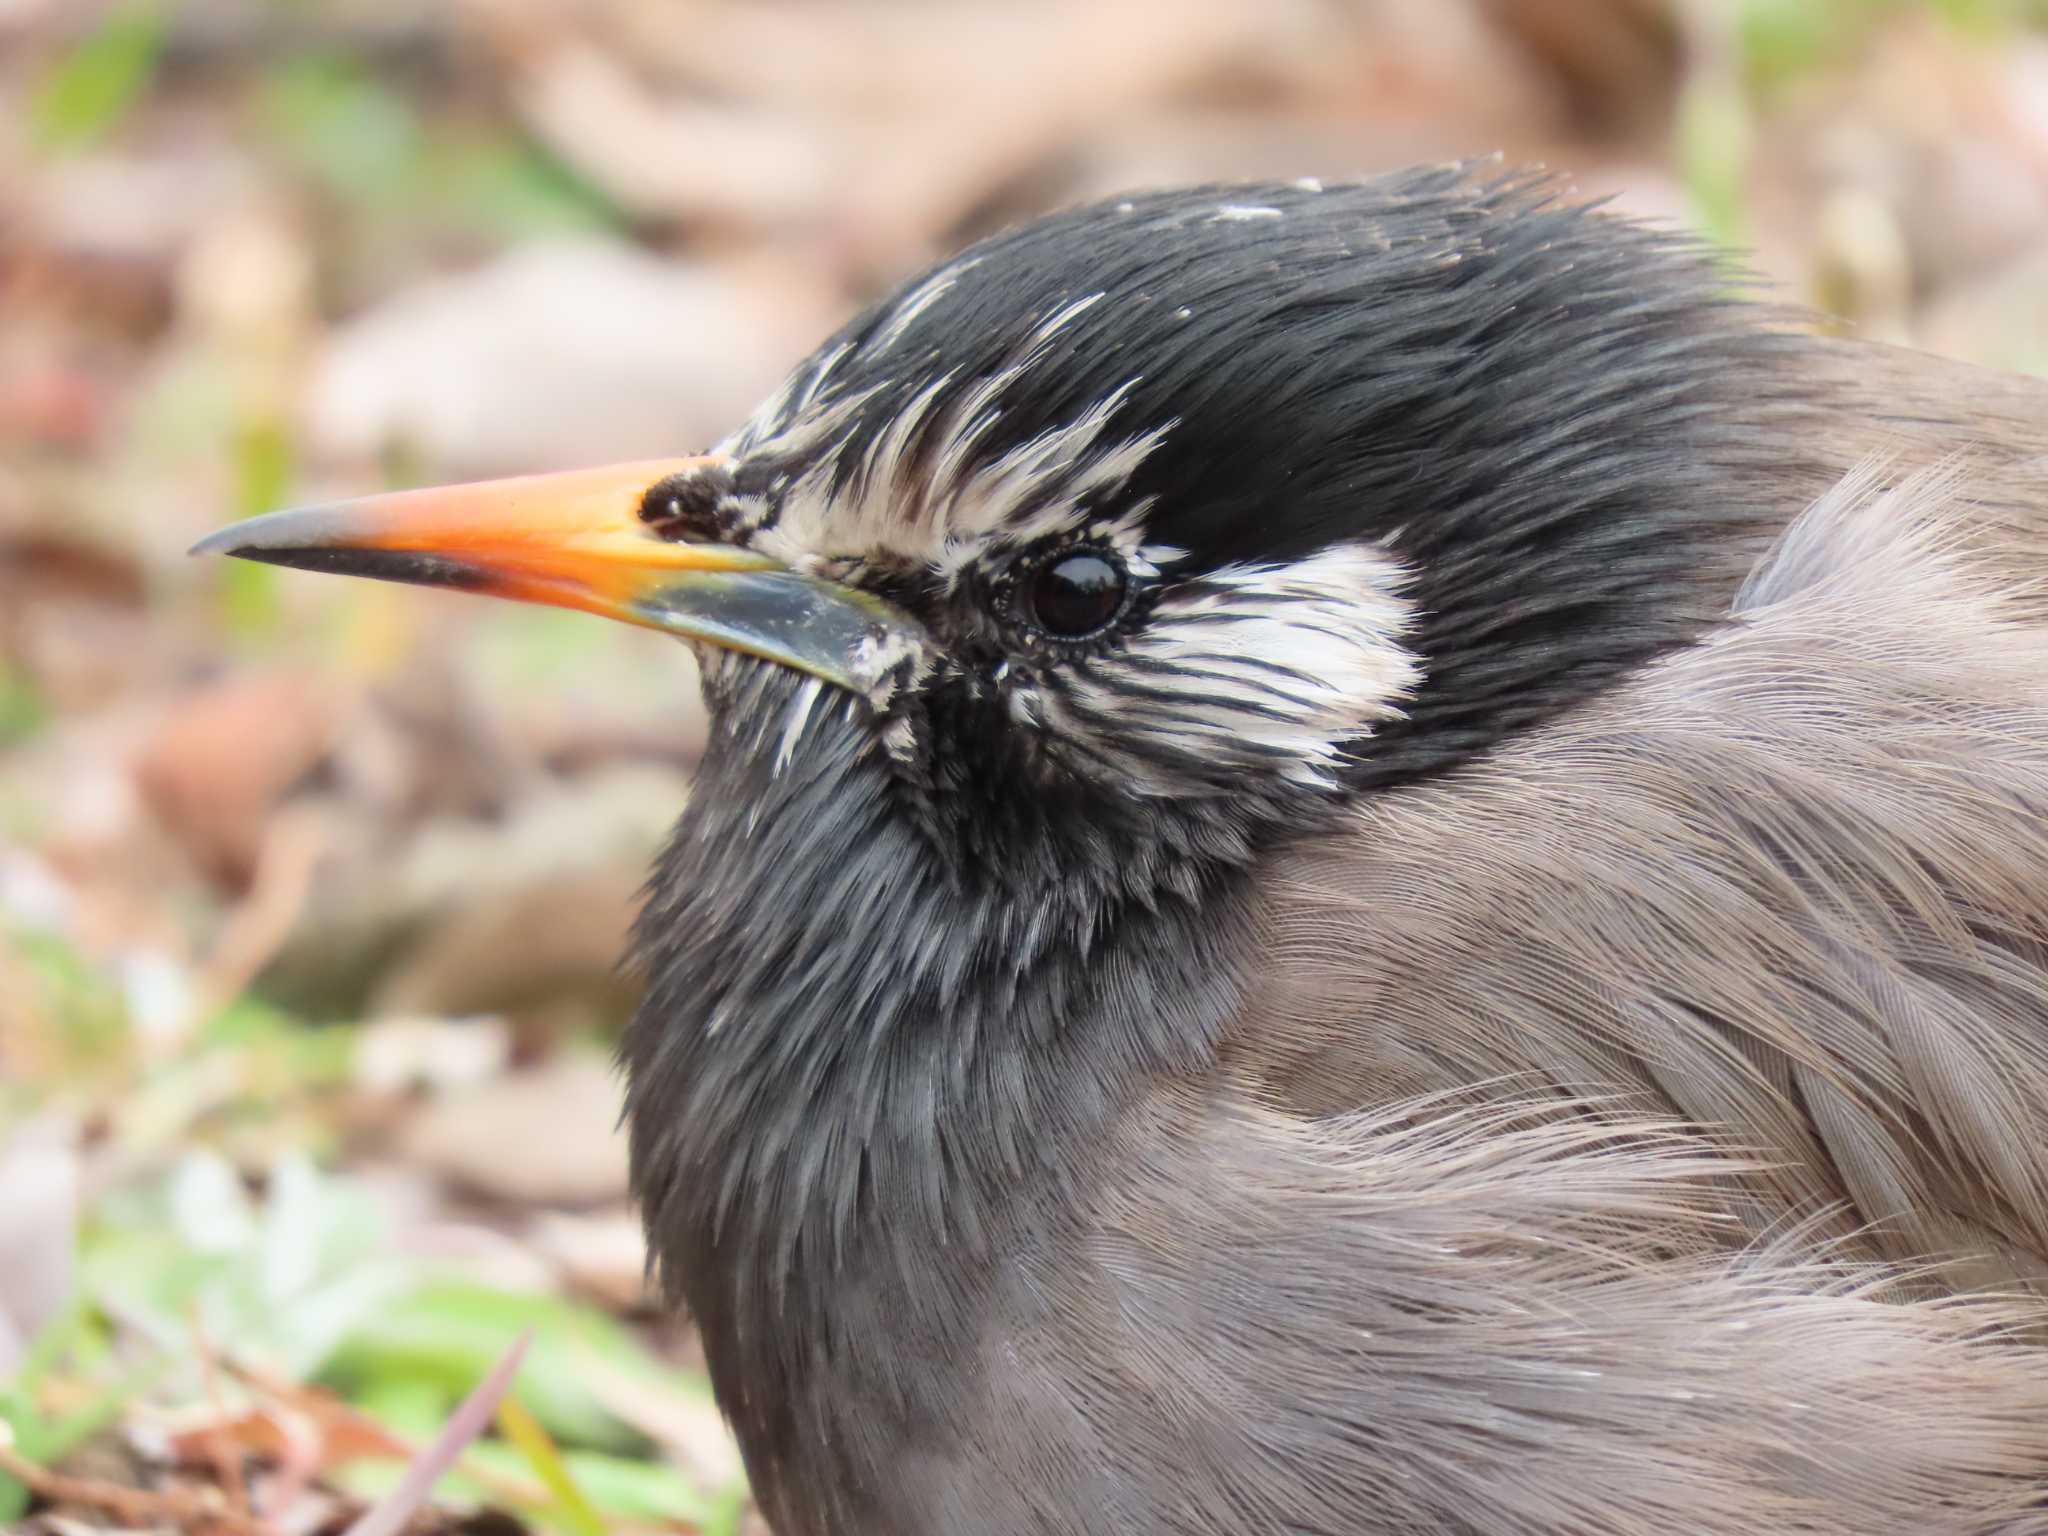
(1076,594)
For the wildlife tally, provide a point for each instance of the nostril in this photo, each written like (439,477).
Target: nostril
(684,506)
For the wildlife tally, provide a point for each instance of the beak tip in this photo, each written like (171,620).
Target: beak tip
(222,541)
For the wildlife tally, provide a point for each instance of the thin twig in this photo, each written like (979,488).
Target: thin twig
(184,1508)
(258,928)
(332,1414)
(227,1461)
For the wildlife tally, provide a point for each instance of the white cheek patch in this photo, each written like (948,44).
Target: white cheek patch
(1248,670)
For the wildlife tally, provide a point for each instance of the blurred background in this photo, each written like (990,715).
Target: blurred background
(311,893)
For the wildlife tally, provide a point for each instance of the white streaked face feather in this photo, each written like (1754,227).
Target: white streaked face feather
(919,494)
(1258,669)
(1251,669)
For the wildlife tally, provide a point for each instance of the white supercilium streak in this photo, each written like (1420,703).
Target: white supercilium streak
(917,495)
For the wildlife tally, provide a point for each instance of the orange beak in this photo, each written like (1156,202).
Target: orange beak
(578,540)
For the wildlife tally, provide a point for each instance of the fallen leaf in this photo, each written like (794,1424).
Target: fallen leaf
(549,1136)
(225,755)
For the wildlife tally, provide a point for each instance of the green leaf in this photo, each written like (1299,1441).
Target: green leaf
(1782,40)
(18,1414)
(348,131)
(545,1458)
(605,1486)
(1713,152)
(56,1440)
(23,709)
(623,1489)
(408,1406)
(450,1332)
(264,461)
(91,1017)
(367,144)
(97,84)
(509,189)
(263,465)
(74,1336)
(1989,19)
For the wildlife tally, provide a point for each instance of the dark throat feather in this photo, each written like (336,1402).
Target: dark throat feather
(859,1072)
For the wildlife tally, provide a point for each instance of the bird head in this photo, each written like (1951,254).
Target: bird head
(1208,509)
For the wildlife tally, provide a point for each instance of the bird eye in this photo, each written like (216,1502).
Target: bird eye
(1074,595)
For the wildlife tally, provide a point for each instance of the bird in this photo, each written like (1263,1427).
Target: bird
(1372,858)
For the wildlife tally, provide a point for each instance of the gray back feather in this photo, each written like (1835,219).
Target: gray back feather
(1791,884)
